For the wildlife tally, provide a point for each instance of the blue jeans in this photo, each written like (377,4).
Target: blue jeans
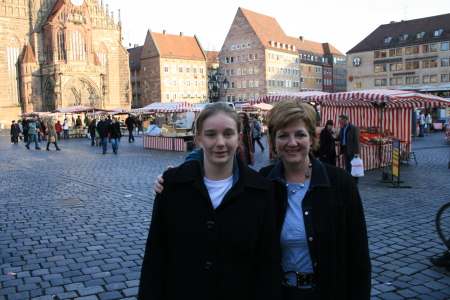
(92,139)
(32,137)
(347,161)
(422,129)
(130,134)
(115,145)
(104,141)
(66,133)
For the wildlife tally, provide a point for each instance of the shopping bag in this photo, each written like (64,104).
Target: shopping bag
(357,167)
(88,135)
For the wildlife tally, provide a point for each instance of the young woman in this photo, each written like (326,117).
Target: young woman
(213,233)
(51,131)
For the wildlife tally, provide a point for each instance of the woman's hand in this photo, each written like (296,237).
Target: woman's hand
(158,188)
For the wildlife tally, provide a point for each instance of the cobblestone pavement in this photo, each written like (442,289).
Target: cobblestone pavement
(74,222)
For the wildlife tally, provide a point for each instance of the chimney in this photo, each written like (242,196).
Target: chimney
(301,38)
(181,34)
(165,32)
(393,22)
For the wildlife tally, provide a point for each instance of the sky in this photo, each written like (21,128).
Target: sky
(343,24)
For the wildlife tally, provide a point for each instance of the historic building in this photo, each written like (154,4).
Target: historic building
(172,69)
(59,53)
(259,59)
(407,55)
(135,73)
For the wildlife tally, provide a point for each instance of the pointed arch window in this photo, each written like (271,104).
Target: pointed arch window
(77,46)
(61,45)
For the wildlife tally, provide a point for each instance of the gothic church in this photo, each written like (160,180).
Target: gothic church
(60,53)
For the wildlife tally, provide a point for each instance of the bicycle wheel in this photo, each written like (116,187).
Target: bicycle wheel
(443,224)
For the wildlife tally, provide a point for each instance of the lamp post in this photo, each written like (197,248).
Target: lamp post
(217,86)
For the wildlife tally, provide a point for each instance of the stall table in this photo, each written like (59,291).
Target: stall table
(174,143)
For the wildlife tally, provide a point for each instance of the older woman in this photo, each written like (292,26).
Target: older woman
(320,218)
(51,131)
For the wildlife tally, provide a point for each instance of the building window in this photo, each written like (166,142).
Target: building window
(250,70)
(238,71)
(227,73)
(437,32)
(240,97)
(232,47)
(244,84)
(256,83)
(255,56)
(416,79)
(77,46)
(188,82)
(412,65)
(238,59)
(244,71)
(433,78)
(248,44)
(416,49)
(202,70)
(181,83)
(408,50)
(357,84)
(379,68)
(409,80)
(444,62)
(419,35)
(380,54)
(188,69)
(174,96)
(432,63)
(444,46)
(402,37)
(244,97)
(433,48)
(444,77)
(238,46)
(232,72)
(174,82)
(180,69)
(166,69)
(232,84)
(239,84)
(255,70)
(396,81)
(231,59)
(194,69)
(60,44)
(381,82)
(167,96)
(395,67)
(250,83)
(387,40)
(399,51)
(250,56)
(426,79)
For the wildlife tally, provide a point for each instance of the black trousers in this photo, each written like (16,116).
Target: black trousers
(259,143)
(290,293)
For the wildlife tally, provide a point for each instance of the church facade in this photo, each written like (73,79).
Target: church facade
(60,53)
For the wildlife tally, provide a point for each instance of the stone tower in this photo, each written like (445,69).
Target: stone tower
(59,53)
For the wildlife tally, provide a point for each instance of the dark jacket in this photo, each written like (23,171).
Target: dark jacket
(103,128)
(327,150)
(131,122)
(335,227)
(114,128)
(15,130)
(352,139)
(196,252)
(92,128)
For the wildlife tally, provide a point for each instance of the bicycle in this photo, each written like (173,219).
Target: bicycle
(443,229)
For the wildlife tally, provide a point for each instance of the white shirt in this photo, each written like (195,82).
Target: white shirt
(218,189)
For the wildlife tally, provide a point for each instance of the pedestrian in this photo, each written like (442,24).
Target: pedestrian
(33,132)
(42,129)
(139,125)
(86,122)
(65,127)
(51,132)
(428,121)
(58,128)
(78,122)
(421,120)
(25,129)
(257,133)
(19,122)
(130,122)
(245,149)
(103,132)
(115,134)
(15,132)
(92,131)
(327,147)
(213,233)
(349,141)
(320,218)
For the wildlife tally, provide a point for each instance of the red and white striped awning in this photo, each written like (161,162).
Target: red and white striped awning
(170,107)
(392,98)
(288,96)
(70,109)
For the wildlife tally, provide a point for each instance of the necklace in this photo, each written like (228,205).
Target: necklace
(302,185)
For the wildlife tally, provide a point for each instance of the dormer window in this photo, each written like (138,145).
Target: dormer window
(387,40)
(419,35)
(272,43)
(402,38)
(437,32)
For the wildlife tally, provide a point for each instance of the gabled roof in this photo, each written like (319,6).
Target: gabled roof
(134,57)
(28,56)
(268,30)
(178,46)
(375,40)
(212,58)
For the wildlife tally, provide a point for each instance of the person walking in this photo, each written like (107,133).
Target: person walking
(58,128)
(130,122)
(19,122)
(256,133)
(25,129)
(65,127)
(92,131)
(15,132)
(422,121)
(139,125)
(114,129)
(51,134)
(327,147)
(33,134)
(213,232)
(349,141)
(245,149)
(428,121)
(103,132)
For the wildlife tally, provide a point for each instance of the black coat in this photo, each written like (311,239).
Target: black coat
(131,122)
(352,139)
(92,128)
(103,128)
(196,252)
(327,149)
(15,130)
(335,227)
(114,128)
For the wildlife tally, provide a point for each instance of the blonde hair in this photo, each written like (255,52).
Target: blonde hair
(283,113)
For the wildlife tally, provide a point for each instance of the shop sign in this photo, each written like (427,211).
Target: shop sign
(368,76)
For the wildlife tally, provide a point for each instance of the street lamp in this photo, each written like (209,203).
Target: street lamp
(217,86)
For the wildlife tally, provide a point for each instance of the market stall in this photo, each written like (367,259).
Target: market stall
(174,121)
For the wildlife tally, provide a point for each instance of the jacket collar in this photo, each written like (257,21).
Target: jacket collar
(319,176)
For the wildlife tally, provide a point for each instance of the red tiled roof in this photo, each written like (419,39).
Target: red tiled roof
(375,40)
(28,56)
(211,58)
(134,57)
(178,46)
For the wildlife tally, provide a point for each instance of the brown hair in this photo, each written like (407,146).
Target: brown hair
(215,108)
(283,113)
